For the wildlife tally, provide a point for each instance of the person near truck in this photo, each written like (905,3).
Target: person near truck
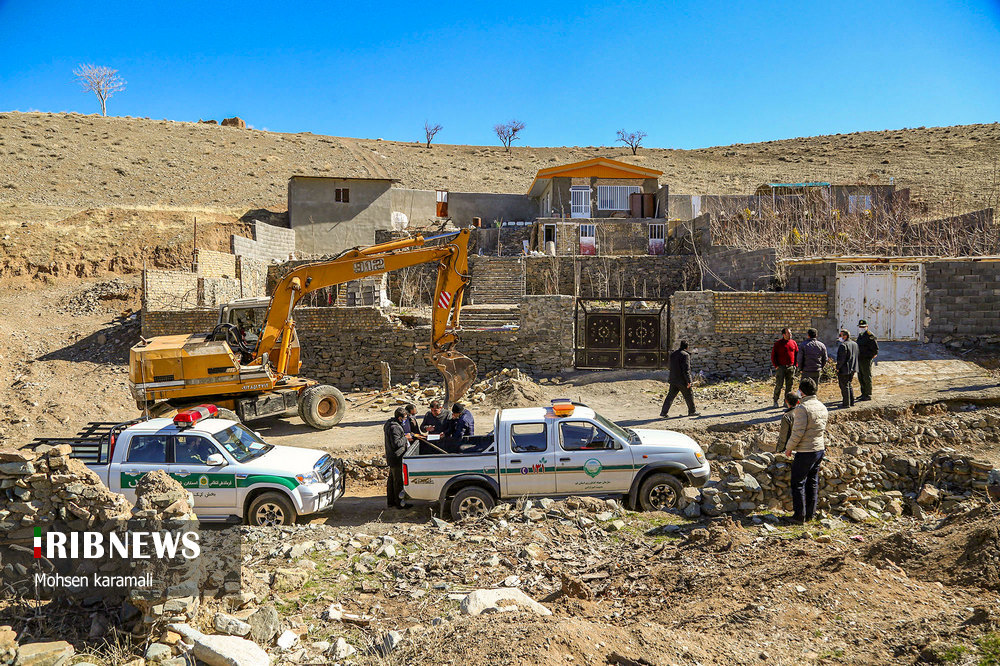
(787,420)
(867,352)
(812,356)
(433,421)
(460,424)
(410,427)
(783,355)
(679,380)
(847,367)
(807,443)
(395,447)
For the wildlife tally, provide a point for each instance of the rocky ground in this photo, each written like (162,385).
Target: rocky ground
(903,568)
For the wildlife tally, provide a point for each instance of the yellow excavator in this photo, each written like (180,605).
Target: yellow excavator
(249,379)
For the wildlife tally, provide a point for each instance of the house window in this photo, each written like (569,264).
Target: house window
(859,203)
(615,197)
(656,232)
(588,231)
(588,242)
(342,195)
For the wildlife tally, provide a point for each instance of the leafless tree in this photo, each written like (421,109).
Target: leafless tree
(102,81)
(508,132)
(632,139)
(430,131)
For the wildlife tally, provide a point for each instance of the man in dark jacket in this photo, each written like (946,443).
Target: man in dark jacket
(812,357)
(395,447)
(679,380)
(867,352)
(783,355)
(434,421)
(847,367)
(461,424)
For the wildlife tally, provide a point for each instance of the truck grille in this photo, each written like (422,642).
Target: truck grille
(324,467)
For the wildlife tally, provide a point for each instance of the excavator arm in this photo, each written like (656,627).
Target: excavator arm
(459,371)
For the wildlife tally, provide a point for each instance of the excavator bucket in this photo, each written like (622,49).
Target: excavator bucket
(459,372)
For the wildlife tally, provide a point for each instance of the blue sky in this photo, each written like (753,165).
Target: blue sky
(690,74)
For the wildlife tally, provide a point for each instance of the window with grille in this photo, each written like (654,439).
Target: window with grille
(857,203)
(588,230)
(342,195)
(656,232)
(615,197)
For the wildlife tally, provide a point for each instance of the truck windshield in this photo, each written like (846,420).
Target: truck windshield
(614,428)
(242,444)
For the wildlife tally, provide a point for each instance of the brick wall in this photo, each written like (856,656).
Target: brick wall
(269,243)
(209,263)
(961,300)
(816,277)
(730,334)
(177,323)
(169,290)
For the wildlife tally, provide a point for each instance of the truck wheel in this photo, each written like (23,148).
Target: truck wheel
(660,492)
(270,509)
(322,406)
(227,414)
(471,504)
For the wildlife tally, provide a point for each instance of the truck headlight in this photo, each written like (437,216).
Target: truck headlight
(307,478)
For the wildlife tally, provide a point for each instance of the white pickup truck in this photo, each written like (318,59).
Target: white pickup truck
(536,452)
(230,470)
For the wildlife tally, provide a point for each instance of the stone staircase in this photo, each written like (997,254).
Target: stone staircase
(490,316)
(497,280)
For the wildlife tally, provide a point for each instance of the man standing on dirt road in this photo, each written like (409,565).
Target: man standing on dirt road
(783,355)
(867,352)
(812,357)
(847,367)
(808,443)
(679,380)
(395,447)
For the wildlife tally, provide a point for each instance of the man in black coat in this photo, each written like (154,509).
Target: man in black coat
(679,380)
(847,367)
(867,351)
(395,447)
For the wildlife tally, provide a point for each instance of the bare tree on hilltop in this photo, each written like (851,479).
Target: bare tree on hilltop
(430,131)
(508,132)
(632,139)
(102,81)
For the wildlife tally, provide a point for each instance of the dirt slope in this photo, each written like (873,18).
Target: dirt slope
(77,161)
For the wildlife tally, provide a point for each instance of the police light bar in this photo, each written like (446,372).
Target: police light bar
(191,416)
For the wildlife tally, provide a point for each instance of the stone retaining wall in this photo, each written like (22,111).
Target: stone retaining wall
(857,474)
(730,334)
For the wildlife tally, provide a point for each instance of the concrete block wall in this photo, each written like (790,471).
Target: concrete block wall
(252,273)
(730,334)
(961,300)
(269,243)
(169,290)
(209,263)
(730,268)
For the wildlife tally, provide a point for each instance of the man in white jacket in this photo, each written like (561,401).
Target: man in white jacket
(807,442)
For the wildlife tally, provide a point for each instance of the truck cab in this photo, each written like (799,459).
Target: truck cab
(537,452)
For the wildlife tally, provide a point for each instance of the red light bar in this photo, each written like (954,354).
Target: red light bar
(191,416)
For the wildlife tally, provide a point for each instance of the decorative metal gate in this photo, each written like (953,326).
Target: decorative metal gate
(623,333)
(888,296)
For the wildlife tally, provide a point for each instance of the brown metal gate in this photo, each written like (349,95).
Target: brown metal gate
(624,333)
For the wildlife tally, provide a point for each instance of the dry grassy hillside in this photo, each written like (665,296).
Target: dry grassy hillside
(78,162)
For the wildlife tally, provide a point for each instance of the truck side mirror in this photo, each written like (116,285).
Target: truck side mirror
(215,460)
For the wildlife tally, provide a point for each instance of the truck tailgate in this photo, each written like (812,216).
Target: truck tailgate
(426,475)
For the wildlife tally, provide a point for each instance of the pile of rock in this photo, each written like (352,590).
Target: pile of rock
(880,482)
(508,387)
(44,485)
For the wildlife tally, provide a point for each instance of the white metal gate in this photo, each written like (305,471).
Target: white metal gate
(886,295)
(579,201)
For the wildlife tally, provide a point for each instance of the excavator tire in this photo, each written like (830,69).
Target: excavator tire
(228,414)
(322,406)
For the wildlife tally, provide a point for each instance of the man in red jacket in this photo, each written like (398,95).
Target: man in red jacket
(783,355)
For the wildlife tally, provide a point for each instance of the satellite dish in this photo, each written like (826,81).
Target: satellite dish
(399,221)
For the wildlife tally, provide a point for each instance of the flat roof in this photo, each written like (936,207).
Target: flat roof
(300,175)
